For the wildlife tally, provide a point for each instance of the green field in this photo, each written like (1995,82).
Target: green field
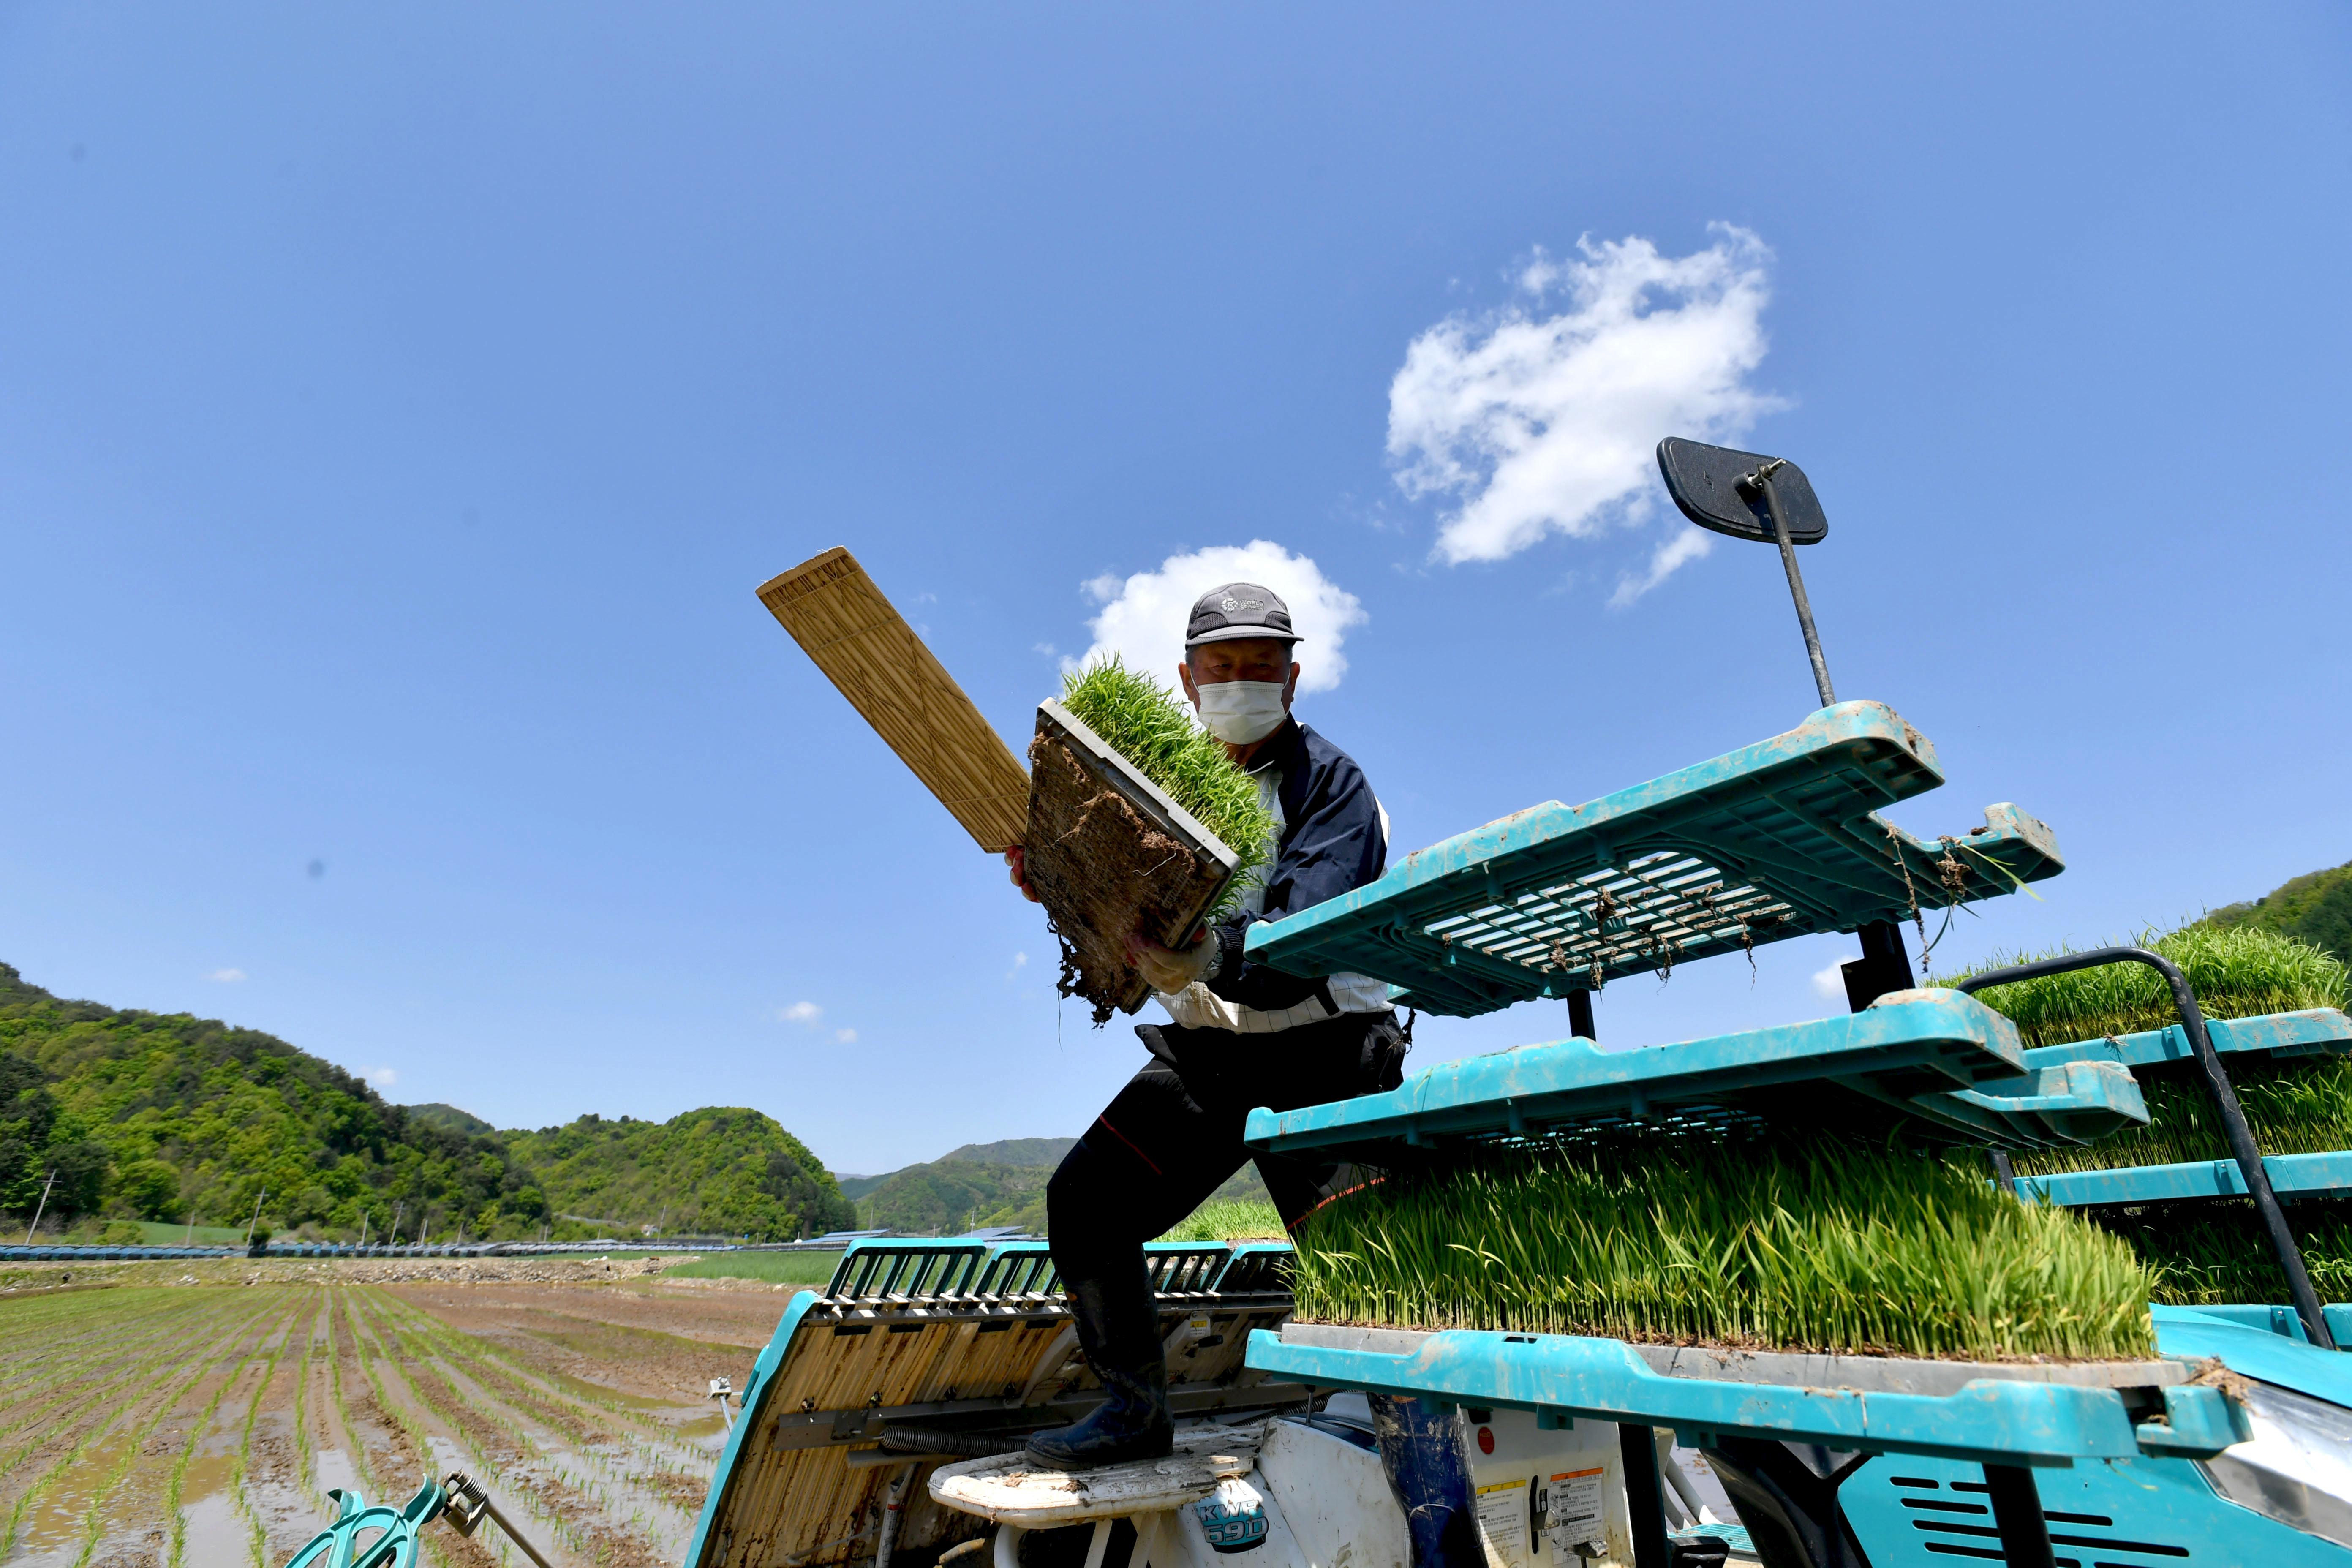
(813,1269)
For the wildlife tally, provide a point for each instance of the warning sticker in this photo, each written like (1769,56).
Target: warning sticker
(1572,1506)
(1503,1520)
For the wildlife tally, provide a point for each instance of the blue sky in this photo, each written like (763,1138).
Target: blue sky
(398,408)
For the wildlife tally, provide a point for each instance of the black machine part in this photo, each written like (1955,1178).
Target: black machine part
(1764,500)
(2225,1101)
(467,1506)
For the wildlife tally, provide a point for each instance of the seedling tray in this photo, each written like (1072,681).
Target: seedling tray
(2317,1033)
(2324,1176)
(2007,1413)
(1108,853)
(1775,840)
(1943,1065)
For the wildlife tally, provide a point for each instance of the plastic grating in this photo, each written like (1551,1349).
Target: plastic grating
(1775,840)
(896,1269)
(1932,1066)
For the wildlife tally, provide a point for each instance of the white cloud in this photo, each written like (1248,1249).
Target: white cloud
(1684,544)
(226,976)
(1831,983)
(801,1012)
(1548,424)
(1019,961)
(1142,616)
(847,1037)
(383,1077)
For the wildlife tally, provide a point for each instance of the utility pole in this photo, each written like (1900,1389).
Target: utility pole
(257,1216)
(395,1225)
(191,1229)
(363,1223)
(41,1207)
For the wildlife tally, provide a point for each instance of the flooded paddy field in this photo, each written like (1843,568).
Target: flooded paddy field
(155,1415)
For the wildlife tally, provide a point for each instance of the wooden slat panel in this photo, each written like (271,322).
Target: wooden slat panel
(868,650)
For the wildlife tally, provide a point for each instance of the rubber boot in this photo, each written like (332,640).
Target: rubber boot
(1119,1331)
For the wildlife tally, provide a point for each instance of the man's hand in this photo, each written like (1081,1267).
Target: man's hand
(1018,865)
(1167,970)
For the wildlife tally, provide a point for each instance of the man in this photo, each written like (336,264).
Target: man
(1243,1035)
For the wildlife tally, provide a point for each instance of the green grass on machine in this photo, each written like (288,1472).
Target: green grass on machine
(1759,1240)
(2301,1106)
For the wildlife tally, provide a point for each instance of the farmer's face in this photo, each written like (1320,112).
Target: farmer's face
(1244,658)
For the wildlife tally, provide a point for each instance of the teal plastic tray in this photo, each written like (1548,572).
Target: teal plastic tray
(1940,1064)
(1775,840)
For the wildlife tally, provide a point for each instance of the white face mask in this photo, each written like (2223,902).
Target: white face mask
(1240,711)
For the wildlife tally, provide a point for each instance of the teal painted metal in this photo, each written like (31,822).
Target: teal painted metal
(1775,840)
(907,1266)
(391,1533)
(2306,1175)
(1991,1420)
(2281,1321)
(1934,1059)
(2320,1032)
(754,1396)
(2128,1513)
(2256,1349)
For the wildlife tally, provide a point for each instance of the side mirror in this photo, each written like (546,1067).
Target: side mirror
(1706,484)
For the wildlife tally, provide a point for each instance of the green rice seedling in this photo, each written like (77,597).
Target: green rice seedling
(2238,973)
(1151,726)
(2294,1108)
(1229,1220)
(2299,1107)
(1793,1243)
(2215,1252)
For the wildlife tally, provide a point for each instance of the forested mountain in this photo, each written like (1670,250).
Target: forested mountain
(2315,907)
(155,1116)
(984,1184)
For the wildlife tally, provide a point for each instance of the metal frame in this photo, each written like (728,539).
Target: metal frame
(2225,1101)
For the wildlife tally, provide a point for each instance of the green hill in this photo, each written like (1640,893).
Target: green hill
(1045,1152)
(986,1184)
(2315,907)
(144,1116)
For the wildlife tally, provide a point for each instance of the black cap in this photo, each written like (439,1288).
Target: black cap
(1238,610)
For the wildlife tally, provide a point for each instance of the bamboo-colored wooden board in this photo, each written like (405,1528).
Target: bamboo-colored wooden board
(869,652)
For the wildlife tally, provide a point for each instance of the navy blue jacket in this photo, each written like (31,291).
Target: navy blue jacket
(1331,844)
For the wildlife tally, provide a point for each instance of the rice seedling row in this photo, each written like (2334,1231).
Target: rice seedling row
(424,1365)
(2238,973)
(532,1491)
(91,1413)
(1793,1245)
(128,1429)
(68,1378)
(559,1408)
(175,1482)
(240,1471)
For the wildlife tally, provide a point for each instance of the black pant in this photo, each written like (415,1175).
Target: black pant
(1173,1135)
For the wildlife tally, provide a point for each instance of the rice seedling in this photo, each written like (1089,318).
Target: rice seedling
(1229,1221)
(2216,1252)
(2238,973)
(2290,1108)
(1798,1243)
(2294,1108)
(1151,726)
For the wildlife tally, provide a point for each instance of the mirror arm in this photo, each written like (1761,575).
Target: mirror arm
(1761,481)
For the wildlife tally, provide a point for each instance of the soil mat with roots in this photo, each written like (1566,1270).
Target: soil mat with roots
(1105,871)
